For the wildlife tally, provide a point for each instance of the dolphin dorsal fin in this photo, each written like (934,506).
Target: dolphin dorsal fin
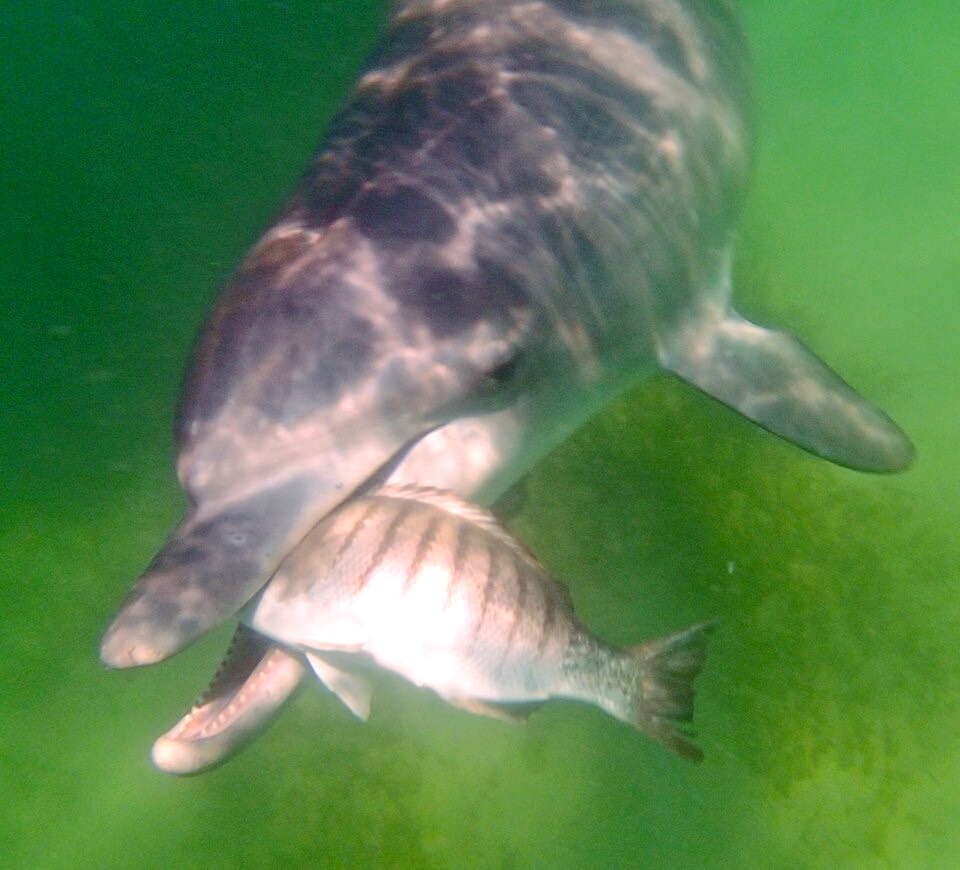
(771,378)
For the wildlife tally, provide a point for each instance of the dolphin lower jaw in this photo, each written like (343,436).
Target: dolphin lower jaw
(254,680)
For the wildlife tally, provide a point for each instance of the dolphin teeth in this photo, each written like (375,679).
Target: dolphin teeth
(252,683)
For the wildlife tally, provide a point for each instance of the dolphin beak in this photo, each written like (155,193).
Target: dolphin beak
(226,549)
(208,568)
(251,685)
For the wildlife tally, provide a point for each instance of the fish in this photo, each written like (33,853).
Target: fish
(436,590)
(524,208)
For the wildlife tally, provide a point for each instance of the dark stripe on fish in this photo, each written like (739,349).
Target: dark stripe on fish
(550,608)
(347,543)
(299,581)
(423,547)
(460,549)
(520,603)
(488,585)
(386,542)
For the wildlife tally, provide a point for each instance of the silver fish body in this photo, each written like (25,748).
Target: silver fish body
(436,590)
(430,589)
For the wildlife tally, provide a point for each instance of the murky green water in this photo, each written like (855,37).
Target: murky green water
(143,147)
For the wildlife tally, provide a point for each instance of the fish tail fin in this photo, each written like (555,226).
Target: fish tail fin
(660,689)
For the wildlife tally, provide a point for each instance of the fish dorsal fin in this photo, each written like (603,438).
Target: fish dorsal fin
(452,504)
(772,379)
(446,501)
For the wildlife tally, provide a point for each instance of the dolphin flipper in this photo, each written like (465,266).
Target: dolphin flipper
(771,378)
(254,680)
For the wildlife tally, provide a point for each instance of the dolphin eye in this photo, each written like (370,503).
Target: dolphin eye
(502,373)
(498,384)
(484,390)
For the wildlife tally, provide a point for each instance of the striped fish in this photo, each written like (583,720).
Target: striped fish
(434,588)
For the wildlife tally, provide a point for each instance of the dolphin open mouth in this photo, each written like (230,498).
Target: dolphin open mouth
(251,685)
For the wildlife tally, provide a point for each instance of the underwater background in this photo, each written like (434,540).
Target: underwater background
(144,146)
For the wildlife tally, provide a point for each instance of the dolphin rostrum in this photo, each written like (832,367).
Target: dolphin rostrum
(524,207)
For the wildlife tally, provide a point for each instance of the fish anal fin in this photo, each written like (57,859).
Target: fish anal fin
(772,379)
(515,716)
(350,688)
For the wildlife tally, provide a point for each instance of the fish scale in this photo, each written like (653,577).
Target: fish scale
(387,562)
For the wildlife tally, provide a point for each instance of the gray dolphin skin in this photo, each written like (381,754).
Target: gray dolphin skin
(524,207)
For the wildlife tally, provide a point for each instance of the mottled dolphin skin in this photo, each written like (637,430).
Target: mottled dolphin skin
(524,207)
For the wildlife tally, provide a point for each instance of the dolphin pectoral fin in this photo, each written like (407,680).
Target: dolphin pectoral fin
(251,685)
(350,688)
(772,379)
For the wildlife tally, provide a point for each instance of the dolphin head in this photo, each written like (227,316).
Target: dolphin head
(327,356)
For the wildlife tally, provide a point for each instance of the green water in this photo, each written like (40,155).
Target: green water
(140,152)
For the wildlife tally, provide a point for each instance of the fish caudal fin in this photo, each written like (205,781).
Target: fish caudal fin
(772,379)
(662,689)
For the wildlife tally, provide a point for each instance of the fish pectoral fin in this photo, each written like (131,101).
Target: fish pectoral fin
(489,708)
(350,688)
(772,379)
(254,680)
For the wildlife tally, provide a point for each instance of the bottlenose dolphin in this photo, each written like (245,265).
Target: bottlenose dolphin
(524,207)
